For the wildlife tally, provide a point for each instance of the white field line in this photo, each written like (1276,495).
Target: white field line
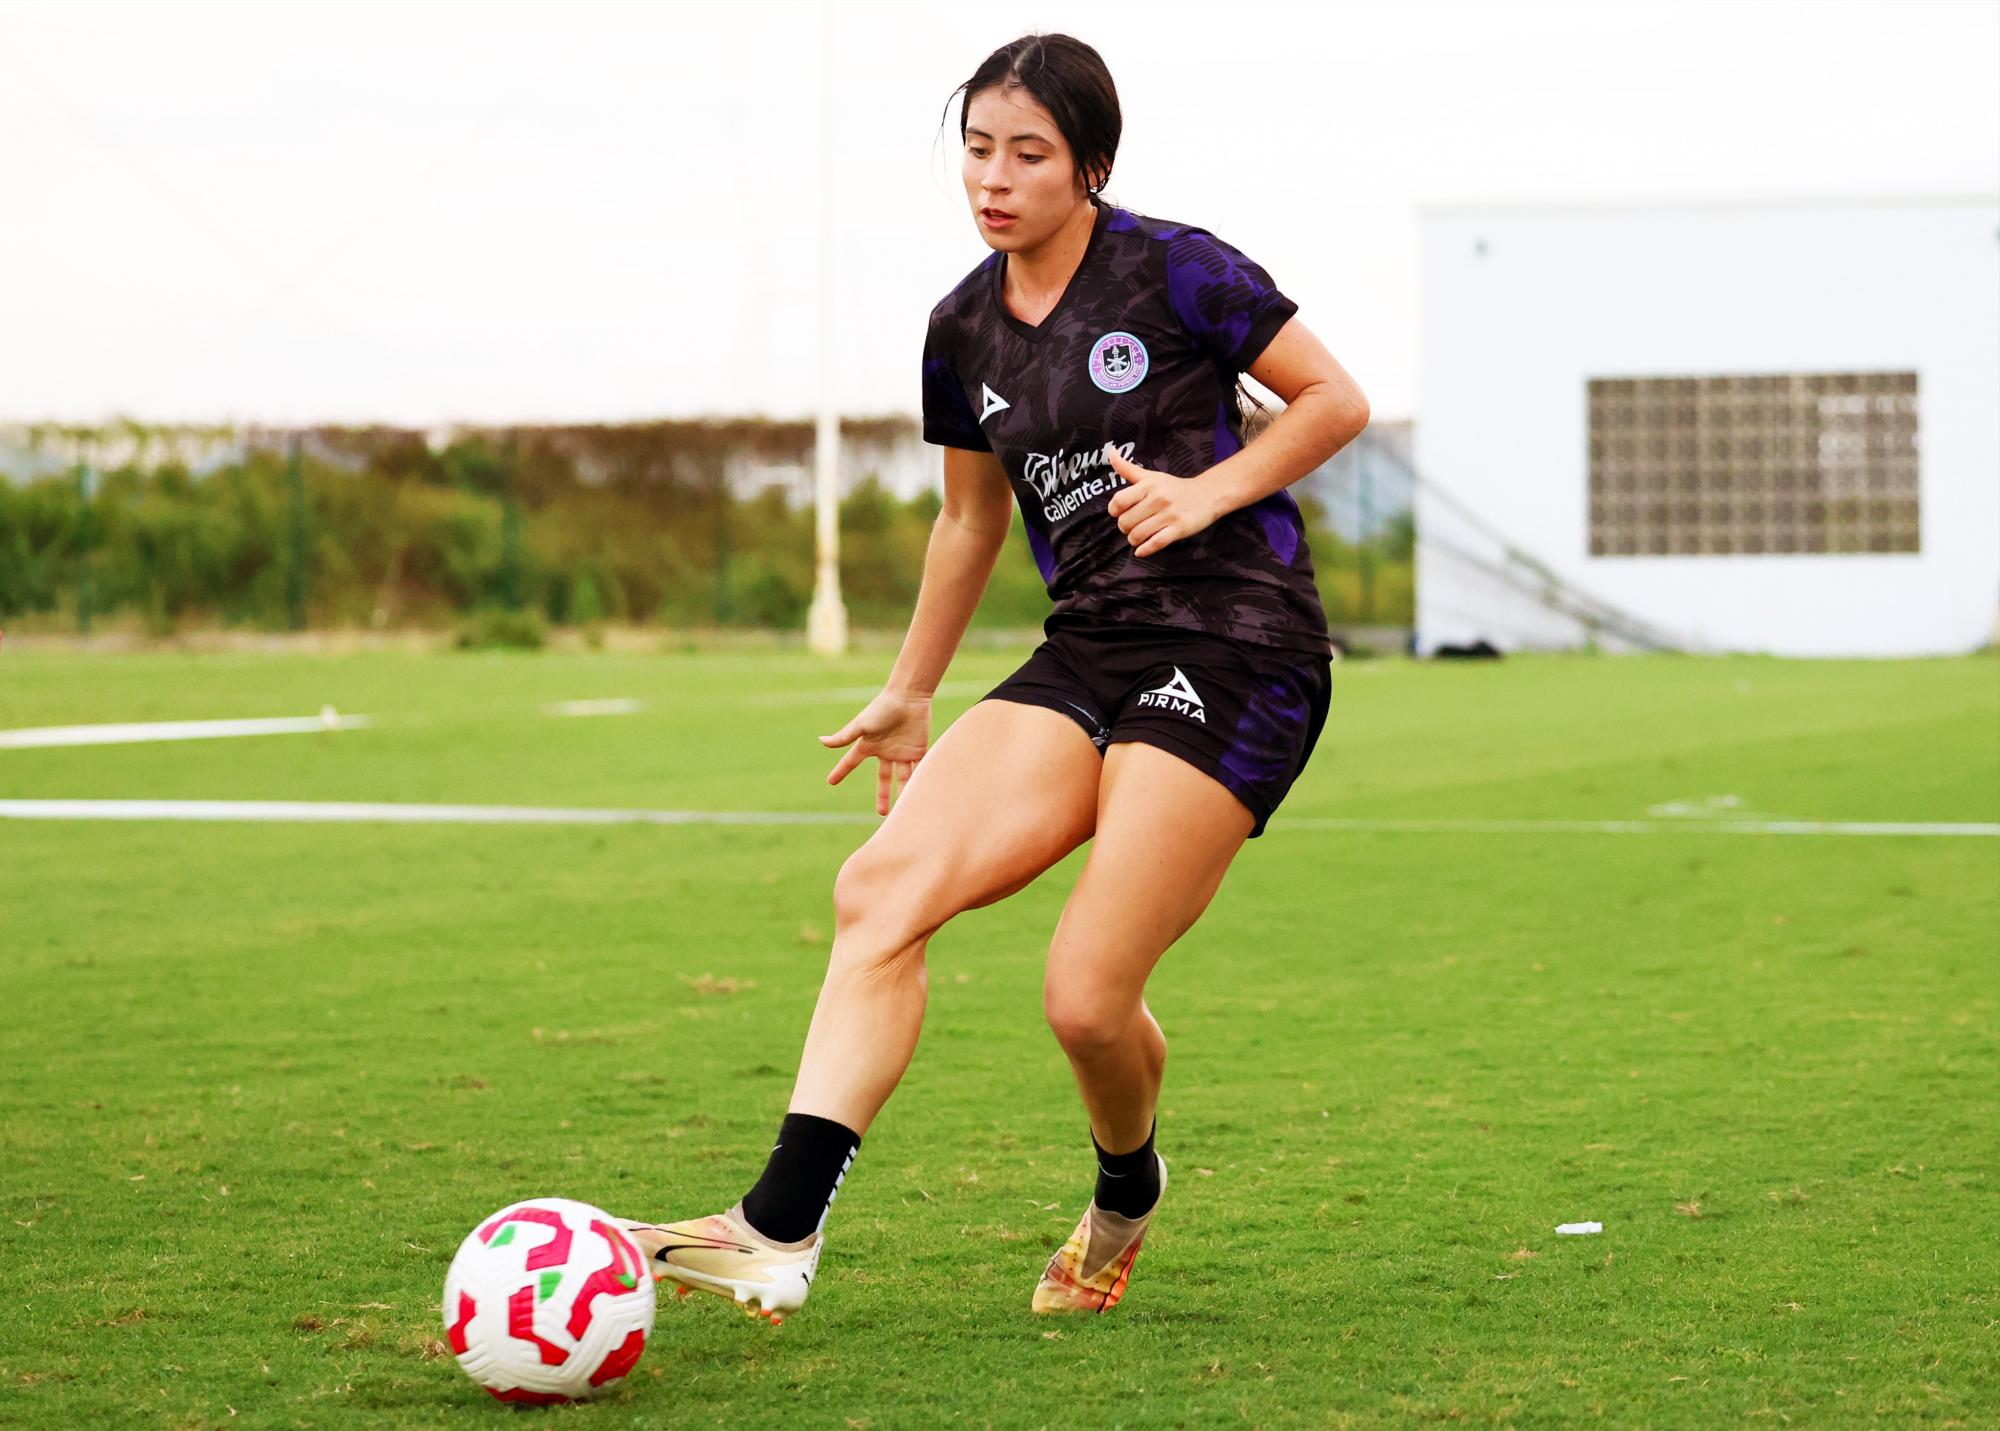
(1644,827)
(35,737)
(347,812)
(615,705)
(342,812)
(864,694)
(136,732)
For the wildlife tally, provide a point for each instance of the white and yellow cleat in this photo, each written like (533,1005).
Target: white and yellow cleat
(1090,1271)
(724,1255)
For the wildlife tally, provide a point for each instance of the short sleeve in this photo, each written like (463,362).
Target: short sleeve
(1227,304)
(948,416)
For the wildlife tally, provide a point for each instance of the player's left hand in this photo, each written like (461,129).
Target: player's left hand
(1157,509)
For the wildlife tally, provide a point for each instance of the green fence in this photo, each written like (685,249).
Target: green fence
(343,528)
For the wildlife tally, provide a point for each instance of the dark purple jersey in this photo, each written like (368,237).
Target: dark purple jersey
(1141,351)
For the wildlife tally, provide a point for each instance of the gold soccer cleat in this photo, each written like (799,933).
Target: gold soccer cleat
(722,1254)
(1089,1272)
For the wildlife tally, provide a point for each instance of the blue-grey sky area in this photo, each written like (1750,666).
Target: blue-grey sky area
(494,212)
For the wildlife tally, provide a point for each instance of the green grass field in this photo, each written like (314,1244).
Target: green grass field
(256,1081)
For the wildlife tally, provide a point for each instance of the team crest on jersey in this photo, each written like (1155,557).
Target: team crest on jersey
(1118,362)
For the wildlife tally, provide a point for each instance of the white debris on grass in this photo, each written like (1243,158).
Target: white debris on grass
(1579,1229)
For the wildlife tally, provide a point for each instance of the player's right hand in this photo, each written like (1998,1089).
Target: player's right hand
(894,728)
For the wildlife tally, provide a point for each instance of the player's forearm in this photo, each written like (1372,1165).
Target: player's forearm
(957,566)
(1316,424)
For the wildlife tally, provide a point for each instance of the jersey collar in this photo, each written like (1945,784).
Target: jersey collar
(1035,332)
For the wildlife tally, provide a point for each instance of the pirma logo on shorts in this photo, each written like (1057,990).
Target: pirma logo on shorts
(1177,696)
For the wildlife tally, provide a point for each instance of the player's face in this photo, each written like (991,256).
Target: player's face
(1020,177)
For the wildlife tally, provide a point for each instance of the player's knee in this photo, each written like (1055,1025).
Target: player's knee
(883,895)
(855,889)
(1083,1022)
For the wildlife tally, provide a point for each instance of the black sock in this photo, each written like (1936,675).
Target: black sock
(1128,1183)
(811,1157)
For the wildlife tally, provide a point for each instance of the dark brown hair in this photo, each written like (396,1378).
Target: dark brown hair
(1070,80)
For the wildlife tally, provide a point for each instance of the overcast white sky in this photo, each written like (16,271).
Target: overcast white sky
(422,213)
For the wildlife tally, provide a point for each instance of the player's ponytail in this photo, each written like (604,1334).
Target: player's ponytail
(1072,83)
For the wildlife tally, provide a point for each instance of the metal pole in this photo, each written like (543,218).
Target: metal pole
(510,527)
(826,622)
(83,486)
(725,609)
(295,576)
(1363,546)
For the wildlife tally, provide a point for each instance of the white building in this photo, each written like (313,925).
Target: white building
(1752,427)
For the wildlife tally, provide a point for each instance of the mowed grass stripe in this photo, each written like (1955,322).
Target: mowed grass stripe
(1599,740)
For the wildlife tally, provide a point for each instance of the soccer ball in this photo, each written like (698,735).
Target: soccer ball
(548,1300)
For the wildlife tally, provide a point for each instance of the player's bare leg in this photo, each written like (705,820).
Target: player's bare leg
(1004,793)
(1166,834)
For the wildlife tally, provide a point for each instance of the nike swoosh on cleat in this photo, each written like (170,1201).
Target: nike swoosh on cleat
(661,1254)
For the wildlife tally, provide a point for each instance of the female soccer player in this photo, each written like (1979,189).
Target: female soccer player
(1086,369)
